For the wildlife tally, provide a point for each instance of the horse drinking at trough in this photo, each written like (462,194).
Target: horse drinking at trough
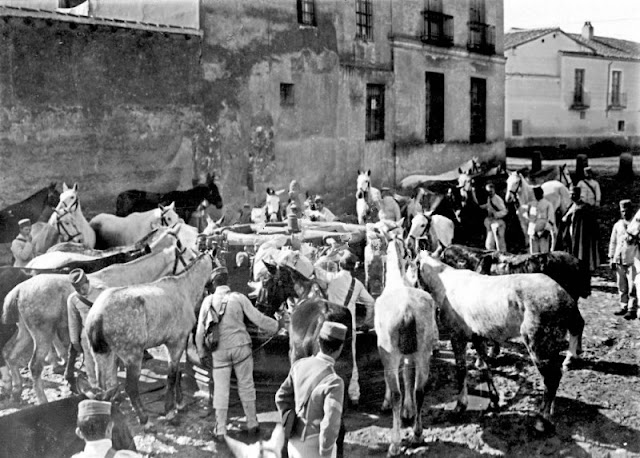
(405,324)
(113,231)
(41,305)
(69,220)
(186,202)
(127,320)
(531,306)
(34,208)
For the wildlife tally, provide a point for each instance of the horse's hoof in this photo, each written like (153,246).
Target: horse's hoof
(394,450)
(415,439)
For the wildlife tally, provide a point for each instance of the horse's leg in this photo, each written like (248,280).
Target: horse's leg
(14,353)
(409,400)
(478,342)
(391,363)
(41,348)
(459,345)
(133,365)
(422,375)
(175,350)
(576,326)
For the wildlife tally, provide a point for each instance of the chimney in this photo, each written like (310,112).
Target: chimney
(587,31)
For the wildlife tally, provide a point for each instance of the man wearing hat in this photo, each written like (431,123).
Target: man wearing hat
(622,253)
(22,245)
(542,222)
(494,222)
(590,188)
(95,426)
(314,392)
(388,207)
(344,289)
(323,213)
(78,305)
(234,348)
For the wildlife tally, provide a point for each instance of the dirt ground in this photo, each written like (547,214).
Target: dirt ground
(597,410)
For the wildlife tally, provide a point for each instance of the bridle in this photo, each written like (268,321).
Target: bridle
(163,218)
(514,192)
(179,250)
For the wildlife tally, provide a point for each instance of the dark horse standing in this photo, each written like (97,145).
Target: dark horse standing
(33,207)
(186,201)
(306,321)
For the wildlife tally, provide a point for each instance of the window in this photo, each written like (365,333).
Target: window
(616,77)
(583,115)
(478,113)
(306,12)
(438,27)
(578,87)
(434,107)
(364,19)
(620,126)
(477,11)
(375,112)
(516,127)
(286,95)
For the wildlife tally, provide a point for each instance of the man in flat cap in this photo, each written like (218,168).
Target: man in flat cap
(234,348)
(590,188)
(78,305)
(345,289)
(314,392)
(95,426)
(622,253)
(22,245)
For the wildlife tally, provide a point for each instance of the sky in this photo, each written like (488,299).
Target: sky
(610,18)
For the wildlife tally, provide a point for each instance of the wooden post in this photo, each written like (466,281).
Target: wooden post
(582,161)
(536,161)
(625,170)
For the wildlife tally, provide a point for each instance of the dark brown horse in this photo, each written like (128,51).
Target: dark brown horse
(186,201)
(33,207)
(306,320)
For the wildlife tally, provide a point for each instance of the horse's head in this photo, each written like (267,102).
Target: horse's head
(464,182)
(69,202)
(420,225)
(213,227)
(167,215)
(633,228)
(274,289)
(514,185)
(261,449)
(272,206)
(213,196)
(53,195)
(364,181)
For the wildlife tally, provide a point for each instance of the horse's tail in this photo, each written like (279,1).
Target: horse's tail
(408,335)
(95,333)
(10,311)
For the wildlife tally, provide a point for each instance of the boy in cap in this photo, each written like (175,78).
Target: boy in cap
(622,253)
(234,348)
(345,289)
(315,393)
(78,305)
(22,245)
(590,188)
(95,426)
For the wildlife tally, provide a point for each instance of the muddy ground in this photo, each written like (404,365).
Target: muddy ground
(597,410)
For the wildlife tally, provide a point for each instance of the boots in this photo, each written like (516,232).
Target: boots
(252,418)
(221,424)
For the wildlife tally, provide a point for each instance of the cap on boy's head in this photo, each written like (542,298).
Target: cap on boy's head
(332,330)
(218,271)
(77,277)
(24,223)
(625,203)
(319,198)
(91,408)
(587,170)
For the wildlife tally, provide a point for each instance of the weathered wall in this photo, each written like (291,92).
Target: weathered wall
(110,108)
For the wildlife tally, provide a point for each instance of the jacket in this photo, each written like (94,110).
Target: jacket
(22,250)
(323,411)
(233,332)
(99,448)
(620,250)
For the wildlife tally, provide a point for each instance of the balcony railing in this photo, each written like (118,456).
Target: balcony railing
(482,38)
(617,100)
(579,100)
(438,28)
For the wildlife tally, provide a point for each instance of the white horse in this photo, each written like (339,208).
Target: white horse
(520,192)
(261,449)
(371,195)
(362,208)
(437,230)
(69,220)
(405,323)
(113,231)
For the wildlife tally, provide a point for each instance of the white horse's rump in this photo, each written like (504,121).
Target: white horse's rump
(113,231)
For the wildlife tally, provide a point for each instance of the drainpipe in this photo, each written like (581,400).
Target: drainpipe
(606,90)
(395,163)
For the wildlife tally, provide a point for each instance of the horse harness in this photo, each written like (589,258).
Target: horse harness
(163,218)
(62,227)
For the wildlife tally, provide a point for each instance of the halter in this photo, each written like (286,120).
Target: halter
(163,219)
(62,228)
(424,231)
(179,251)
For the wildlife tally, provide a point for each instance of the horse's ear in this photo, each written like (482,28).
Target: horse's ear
(64,187)
(401,222)
(161,207)
(75,187)
(272,268)
(369,172)
(359,172)
(172,206)
(220,222)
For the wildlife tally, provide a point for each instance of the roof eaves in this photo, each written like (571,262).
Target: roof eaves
(534,36)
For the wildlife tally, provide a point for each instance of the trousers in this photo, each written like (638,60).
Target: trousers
(626,276)
(495,234)
(241,360)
